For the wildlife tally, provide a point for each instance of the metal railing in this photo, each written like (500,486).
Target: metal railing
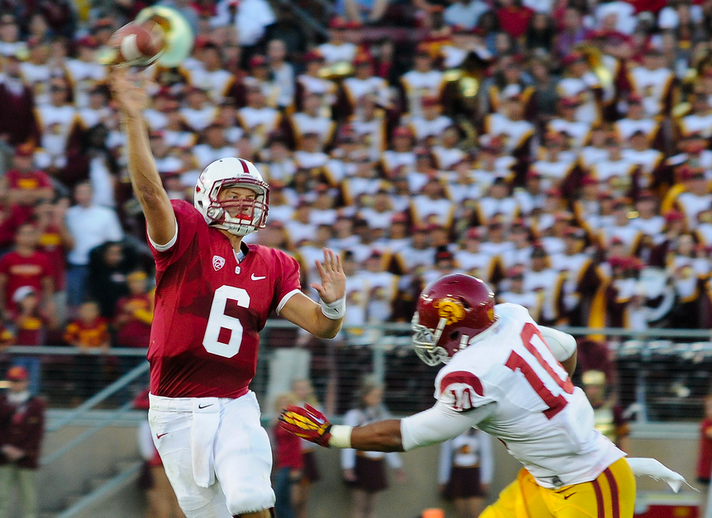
(661,374)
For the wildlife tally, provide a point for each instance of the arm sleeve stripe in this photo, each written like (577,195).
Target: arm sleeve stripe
(286,298)
(167,246)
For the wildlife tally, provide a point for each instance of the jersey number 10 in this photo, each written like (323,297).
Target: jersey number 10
(555,402)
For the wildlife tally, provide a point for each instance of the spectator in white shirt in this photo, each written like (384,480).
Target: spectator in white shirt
(283,72)
(90,226)
(465,13)
(616,15)
(251,18)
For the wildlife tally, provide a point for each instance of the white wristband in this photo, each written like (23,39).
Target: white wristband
(340,436)
(334,310)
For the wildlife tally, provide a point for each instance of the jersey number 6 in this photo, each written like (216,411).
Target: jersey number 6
(223,334)
(555,402)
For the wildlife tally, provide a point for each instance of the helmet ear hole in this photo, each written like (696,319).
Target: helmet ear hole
(454,335)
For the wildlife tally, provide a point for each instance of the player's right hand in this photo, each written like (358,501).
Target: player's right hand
(307,423)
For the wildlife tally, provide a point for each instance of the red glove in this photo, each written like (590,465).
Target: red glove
(307,423)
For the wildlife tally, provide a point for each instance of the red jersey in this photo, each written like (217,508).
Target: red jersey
(209,309)
(287,449)
(89,335)
(704,459)
(10,219)
(27,181)
(50,243)
(31,329)
(24,271)
(514,20)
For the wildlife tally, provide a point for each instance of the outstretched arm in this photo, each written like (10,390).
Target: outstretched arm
(131,96)
(432,426)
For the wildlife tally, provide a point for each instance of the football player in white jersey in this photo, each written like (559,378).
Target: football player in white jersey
(511,378)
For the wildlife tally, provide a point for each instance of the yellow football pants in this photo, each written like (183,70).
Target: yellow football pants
(611,495)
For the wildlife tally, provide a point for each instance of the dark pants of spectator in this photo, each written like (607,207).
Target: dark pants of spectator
(88,375)
(126,365)
(76,284)
(283,494)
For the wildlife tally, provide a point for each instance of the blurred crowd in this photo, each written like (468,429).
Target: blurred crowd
(558,149)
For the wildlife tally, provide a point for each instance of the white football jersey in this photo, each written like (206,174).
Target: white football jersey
(545,422)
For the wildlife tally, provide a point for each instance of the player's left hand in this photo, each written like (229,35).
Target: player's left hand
(307,423)
(333,278)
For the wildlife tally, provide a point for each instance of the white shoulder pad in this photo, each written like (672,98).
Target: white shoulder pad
(562,345)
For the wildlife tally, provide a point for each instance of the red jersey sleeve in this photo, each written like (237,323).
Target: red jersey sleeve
(189,222)
(289,280)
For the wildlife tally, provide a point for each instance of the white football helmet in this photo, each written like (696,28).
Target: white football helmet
(232,172)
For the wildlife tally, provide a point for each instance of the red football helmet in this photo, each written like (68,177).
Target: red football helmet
(451,311)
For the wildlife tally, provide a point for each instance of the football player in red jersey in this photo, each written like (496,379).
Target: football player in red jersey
(213,296)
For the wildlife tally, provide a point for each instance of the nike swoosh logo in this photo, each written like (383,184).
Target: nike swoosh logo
(205,406)
(566,497)
(255,278)
(161,435)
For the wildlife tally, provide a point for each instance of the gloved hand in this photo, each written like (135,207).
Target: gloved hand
(658,471)
(307,423)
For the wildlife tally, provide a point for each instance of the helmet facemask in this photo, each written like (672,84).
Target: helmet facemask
(251,214)
(425,342)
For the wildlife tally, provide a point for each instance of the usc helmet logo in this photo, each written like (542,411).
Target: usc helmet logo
(450,309)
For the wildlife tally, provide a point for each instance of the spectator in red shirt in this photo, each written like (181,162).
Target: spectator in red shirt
(90,333)
(25,266)
(90,330)
(11,217)
(514,17)
(288,462)
(25,183)
(31,326)
(54,240)
(304,394)
(134,313)
(22,418)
